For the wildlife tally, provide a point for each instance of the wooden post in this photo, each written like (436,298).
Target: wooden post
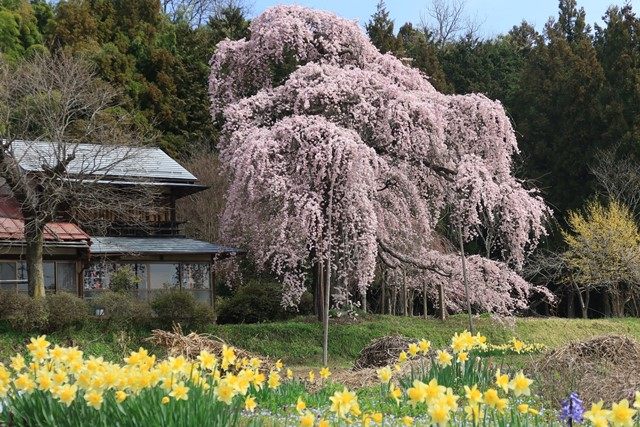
(424,300)
(443,311)
(464,278)
(212,285)
(383,293)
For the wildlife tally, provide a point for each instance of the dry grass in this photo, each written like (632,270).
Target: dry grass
(381,352)
(606,366)
(190,345)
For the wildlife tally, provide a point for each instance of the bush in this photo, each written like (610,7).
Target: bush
(66,310)
(259,301)
(29,314)
(124,280)
(176,306)
(123,311)
(10,302)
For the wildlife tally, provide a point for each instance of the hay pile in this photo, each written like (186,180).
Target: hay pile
(605,368)
(381,352)
(190,346)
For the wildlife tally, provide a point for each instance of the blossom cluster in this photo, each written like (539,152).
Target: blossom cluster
(335,151)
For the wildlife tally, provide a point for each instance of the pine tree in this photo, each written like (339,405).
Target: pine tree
(380,29)
(558,112)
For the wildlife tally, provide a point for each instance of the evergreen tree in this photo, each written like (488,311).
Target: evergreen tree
(557,110)
(421,49)
(380,29)
(618,48)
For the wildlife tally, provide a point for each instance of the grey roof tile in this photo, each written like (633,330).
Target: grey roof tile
(156,245)
(101,160)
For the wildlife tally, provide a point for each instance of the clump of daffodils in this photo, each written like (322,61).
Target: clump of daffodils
(439,397)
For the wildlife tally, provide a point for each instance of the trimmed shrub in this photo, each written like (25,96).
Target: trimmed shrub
(31,315)
(176,306)
(257,302)
(66,310)
(123,311)
(10,302)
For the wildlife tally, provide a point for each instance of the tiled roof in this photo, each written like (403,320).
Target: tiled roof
(12,225)
(108,161)
(156,245)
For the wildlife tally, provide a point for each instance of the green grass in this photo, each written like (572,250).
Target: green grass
(299,342)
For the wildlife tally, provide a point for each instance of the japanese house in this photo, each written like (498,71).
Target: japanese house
(79,260)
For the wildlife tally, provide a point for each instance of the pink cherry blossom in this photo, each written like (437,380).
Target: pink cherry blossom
(320,128)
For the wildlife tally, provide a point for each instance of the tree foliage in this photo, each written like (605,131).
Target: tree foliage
(604,250)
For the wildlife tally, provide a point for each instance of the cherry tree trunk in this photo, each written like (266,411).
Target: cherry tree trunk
(394,297)
(464,278)
(383,295)
(364,301)
(34,235)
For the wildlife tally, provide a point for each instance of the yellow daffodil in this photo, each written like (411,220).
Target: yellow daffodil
(179,391)
(207,360)
(384,374)
(517,345)
(121,396)
(289,374)
(502,381)
(443,358)
(424,346)
(225,392)
(228,356)
(300,405)
(307,419)
(402,357)
(343,402)
(325,373)
(463,356)
(66,394)
(621,414)
(395,393)
(17,363)
(523,408)
(474,412)
(407,421)
(596,411)
(312,376)
(413,349)
(377,417)
(520,385)
(250,403)
(279,365)
(491,397)
(472,394)
(439,415)
(94,399)
(274,380)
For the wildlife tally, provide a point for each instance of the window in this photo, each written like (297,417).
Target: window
(196,276)
(58,276)
(66,277)
(7,276)
(49,271)
(164,276)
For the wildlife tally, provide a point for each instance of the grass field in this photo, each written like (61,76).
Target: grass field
(298,342)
